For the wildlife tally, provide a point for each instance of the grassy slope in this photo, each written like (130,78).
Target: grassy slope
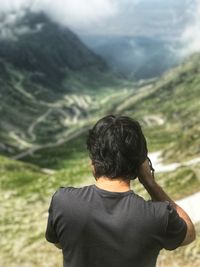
(175,98)
(36,72)
(25,196)
(25,192)
(26,103)
(22,213)
(186,256)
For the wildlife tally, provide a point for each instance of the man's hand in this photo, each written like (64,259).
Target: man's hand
(145,174)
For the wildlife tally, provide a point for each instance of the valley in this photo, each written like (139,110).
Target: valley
(75,112)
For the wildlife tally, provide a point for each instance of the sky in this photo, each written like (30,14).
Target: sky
(99,16)
(191,35)
(150,18)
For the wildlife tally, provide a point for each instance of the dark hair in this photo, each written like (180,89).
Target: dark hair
(116,147)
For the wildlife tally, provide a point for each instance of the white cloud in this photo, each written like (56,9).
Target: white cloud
(108,17)
(13,5)
(191,35)
(77,14)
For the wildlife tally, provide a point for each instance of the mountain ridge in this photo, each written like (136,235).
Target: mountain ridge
(47,77)
(48,51)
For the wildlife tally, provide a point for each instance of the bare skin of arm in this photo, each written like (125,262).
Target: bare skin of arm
(158,194)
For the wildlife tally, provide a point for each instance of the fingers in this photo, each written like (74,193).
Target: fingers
(146,171)
(150,164)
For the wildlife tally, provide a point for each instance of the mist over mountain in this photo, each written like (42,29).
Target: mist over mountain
(129,35)
(111,17)
(46,51)
(136,57)
(145,40)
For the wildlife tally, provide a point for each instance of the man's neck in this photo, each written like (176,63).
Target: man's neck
(115,185)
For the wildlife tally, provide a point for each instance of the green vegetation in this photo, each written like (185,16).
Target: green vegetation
(172,108)
(185,256)
(178,184)
(46,85)
(25,196)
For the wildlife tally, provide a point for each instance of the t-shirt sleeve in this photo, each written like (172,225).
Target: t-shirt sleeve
(50,234)
(175,228)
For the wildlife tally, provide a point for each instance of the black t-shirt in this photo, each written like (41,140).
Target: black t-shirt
(96,227)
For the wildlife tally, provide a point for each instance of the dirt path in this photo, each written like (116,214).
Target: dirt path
(75,103)
(57,143)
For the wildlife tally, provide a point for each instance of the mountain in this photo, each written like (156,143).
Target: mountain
(144,38)
(170,111)
(47,77)
(47,51)
(136,57)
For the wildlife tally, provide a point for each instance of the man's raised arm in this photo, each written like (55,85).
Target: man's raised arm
(158,194)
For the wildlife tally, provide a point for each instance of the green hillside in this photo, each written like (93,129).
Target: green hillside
(47,77)
(170,111)
(48,52)
(25,196)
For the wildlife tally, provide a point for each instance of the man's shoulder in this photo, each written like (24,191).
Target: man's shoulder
(70,198)
(157,210)
(70,190)
(151,203)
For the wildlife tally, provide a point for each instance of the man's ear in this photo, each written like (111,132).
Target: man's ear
(92,167)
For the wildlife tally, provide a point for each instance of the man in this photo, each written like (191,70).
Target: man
(107,224)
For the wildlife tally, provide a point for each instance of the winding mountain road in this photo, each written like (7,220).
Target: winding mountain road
(76,103)
(60,141)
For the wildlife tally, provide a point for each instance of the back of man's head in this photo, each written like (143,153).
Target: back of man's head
(116,147)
